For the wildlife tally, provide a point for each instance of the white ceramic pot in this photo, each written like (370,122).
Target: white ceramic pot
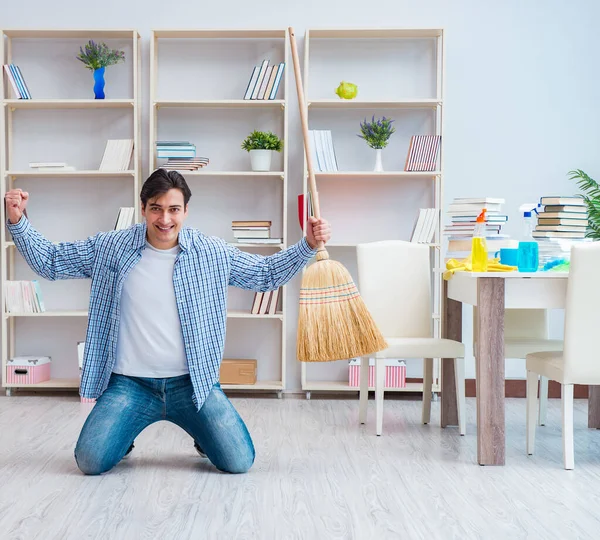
(260,160)
(378,161)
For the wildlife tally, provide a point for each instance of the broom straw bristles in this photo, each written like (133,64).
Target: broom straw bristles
(333,321)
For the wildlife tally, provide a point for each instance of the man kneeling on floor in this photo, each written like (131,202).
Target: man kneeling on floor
(157,316)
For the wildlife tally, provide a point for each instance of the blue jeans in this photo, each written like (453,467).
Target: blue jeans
(129,404)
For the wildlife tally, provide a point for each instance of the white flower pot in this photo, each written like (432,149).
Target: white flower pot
(260,160)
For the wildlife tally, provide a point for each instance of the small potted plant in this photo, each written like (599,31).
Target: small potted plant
(96,57)
(377,133)
(260,145)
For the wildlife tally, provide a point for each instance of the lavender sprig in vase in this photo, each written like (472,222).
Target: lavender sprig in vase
(377,134)
(96,57)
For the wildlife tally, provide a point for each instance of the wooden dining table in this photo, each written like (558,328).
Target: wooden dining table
(492,293)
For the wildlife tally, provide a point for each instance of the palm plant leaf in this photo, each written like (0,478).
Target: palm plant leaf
(591,196)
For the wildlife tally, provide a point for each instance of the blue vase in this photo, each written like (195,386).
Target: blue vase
(99,83)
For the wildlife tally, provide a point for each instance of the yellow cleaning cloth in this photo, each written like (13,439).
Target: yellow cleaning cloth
(466,266)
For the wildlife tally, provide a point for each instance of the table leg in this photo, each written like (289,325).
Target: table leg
(451,329)
(490,372)
(594,407)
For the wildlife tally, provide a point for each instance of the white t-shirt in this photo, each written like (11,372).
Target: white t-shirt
(150,342)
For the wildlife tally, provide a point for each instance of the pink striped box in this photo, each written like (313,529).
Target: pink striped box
(395,373)
(28,370)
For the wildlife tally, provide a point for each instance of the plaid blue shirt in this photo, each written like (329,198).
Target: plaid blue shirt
(203,270)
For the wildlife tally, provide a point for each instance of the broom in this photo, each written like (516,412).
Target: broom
(333,321)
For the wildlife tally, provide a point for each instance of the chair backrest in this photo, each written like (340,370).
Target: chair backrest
(394,280)
(520,324)
(582,316)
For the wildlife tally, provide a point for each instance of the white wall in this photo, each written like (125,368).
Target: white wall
(520,90)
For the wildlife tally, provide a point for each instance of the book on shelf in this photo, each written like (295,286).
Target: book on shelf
(425,226)
(264,81)
(185,164)
(175,149)
(250,223)
(23,297)
(322,150)
(47,164)
(17,81)
(422,153)
(125,217)
(265,303)
(117,155)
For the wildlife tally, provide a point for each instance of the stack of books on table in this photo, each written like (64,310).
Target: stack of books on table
(562,222)
(463,212)
(253,232)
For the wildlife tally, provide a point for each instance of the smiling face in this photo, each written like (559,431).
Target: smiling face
(165,215)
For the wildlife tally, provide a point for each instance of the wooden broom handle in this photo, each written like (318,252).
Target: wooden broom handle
(302,103)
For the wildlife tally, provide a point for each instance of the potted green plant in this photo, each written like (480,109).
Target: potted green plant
(591,197)
(96,57)
(261,145)
(377,133)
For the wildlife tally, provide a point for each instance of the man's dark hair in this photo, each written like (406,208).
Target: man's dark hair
(161,181)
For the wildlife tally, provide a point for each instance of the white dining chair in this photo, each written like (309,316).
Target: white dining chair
(394,280)
(578,363)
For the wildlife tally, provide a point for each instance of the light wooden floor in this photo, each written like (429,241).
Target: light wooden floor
(317,476)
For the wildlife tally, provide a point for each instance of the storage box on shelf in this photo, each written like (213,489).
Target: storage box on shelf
(74,158)
(209,89)
(399,74)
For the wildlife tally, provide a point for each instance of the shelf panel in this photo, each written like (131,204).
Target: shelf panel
(276,246)
(84,34)
(360,104)
(370,175)
(347,245)
(10,244)
(223,34)
(49,314)
(253,174)
(369,33)
(68,103)
(343,386)
(260,385)
(76,174)
(52,383)
(222,103)
(247,315)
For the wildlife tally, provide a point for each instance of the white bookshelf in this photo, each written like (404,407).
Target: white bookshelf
(62,122)
(399,74)
(197,81)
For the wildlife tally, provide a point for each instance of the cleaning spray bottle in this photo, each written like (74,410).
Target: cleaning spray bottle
(479,253)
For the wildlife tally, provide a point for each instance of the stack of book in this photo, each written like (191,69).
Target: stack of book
(175,149)
(183,164)
(117,155)
(124,218)
(425,226)
(15,77)
(265,303)
(23,297)
(562,217)
(264,81)
(562,223)
(463,213)
(253,232)
(322,150)
(422,153)
(50,166)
